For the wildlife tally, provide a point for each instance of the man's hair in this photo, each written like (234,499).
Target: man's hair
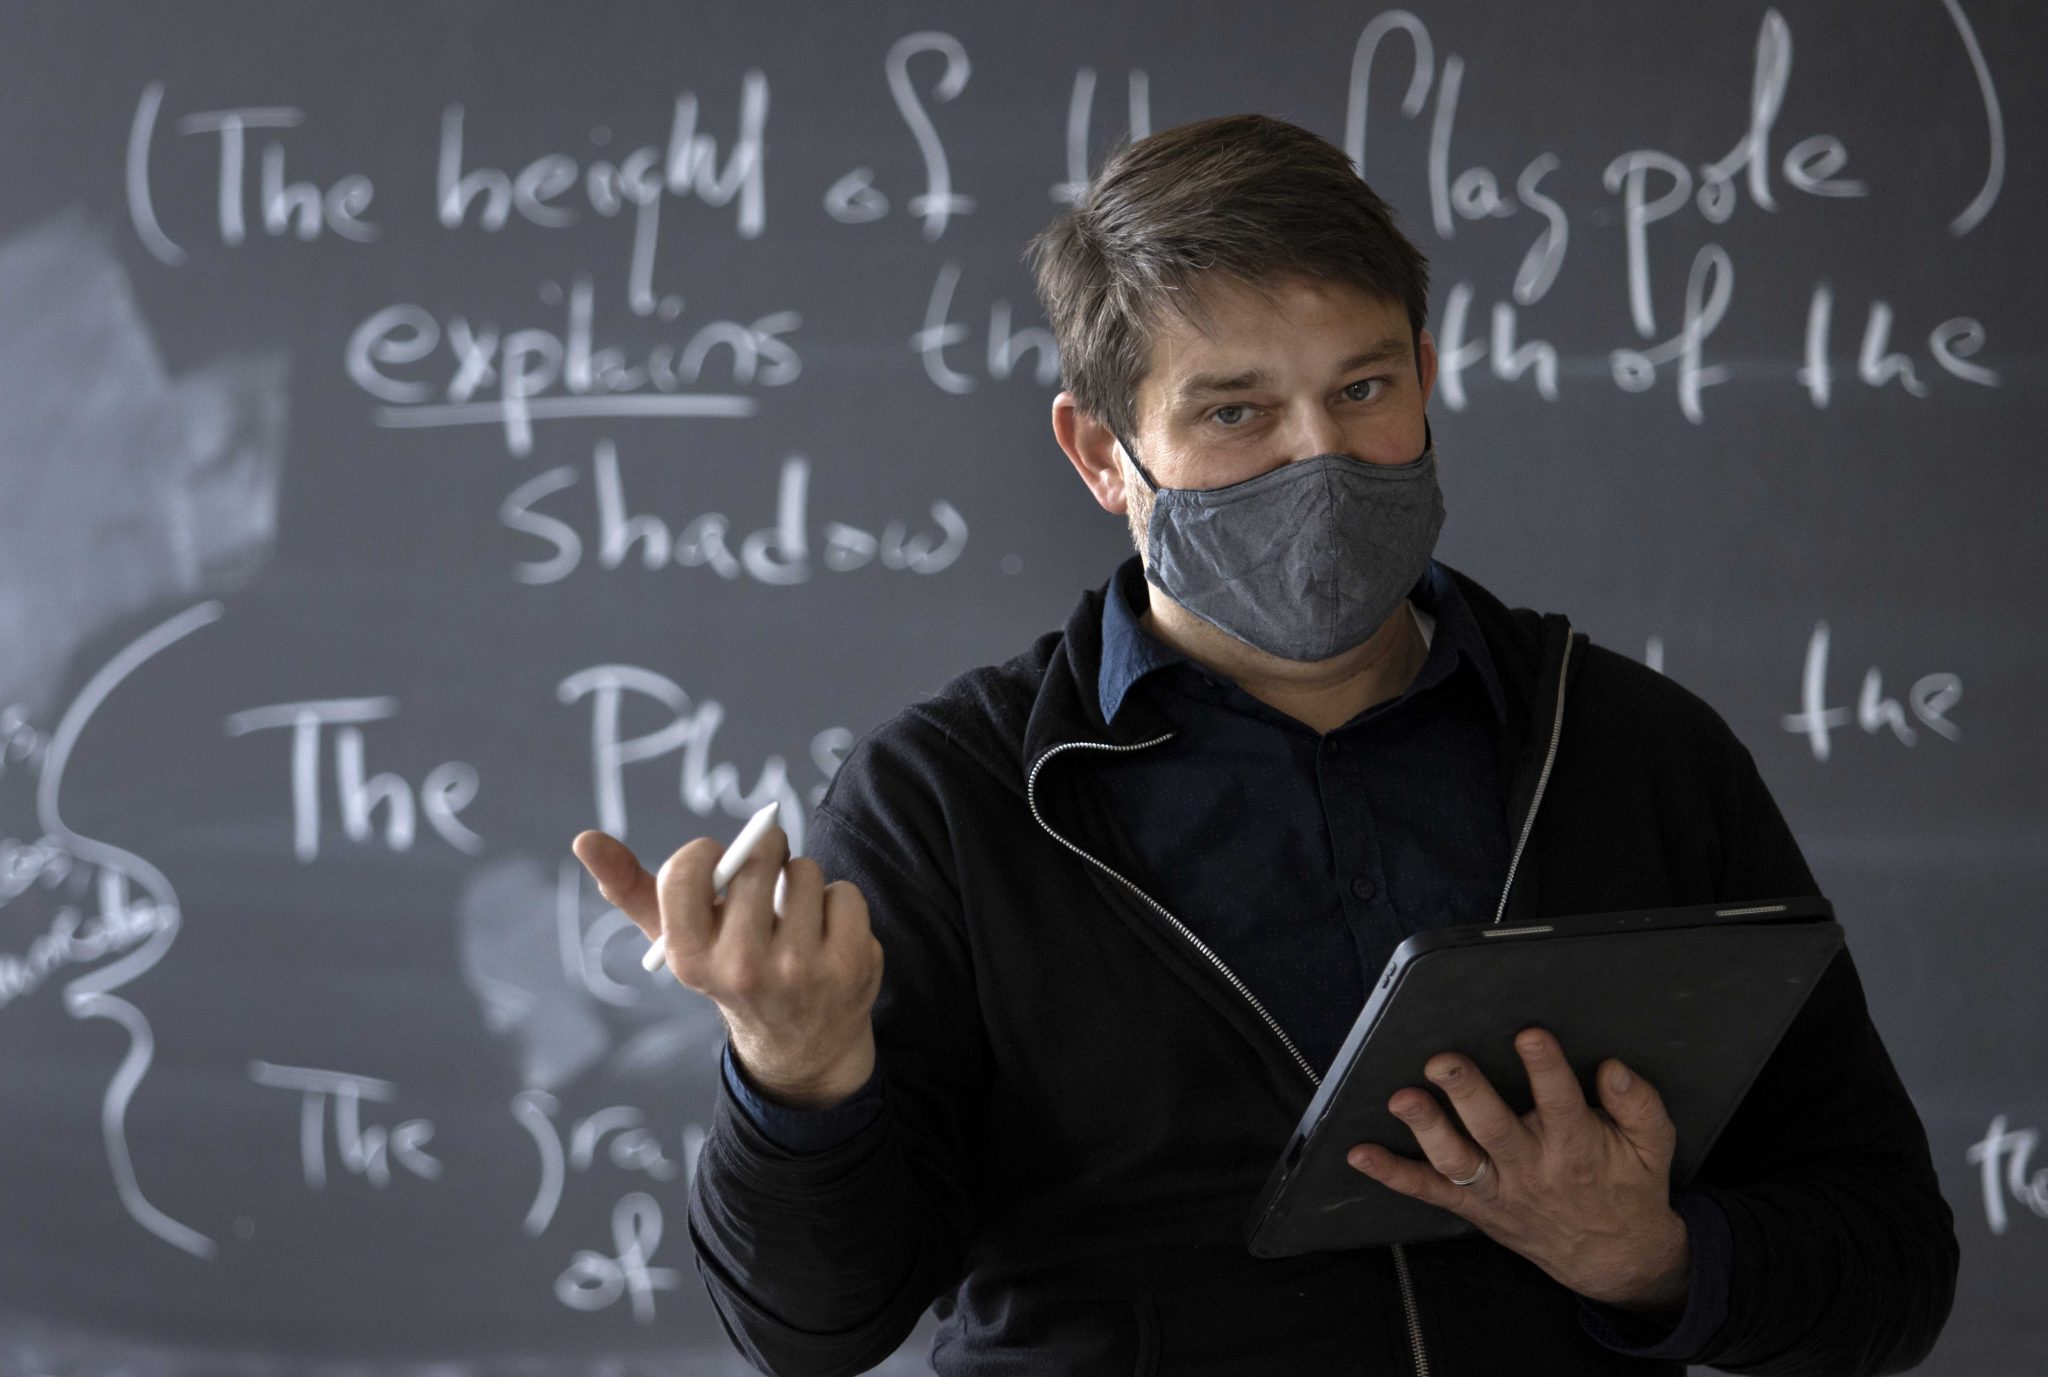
(1249,197)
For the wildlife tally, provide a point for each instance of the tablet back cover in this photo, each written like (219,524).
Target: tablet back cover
(1696,1011)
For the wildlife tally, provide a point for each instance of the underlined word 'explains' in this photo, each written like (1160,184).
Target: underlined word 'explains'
(431,372)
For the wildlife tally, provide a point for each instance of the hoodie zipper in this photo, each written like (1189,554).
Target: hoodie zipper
(1542,779)
(1179,926)
(1413,1315)
(1528,822)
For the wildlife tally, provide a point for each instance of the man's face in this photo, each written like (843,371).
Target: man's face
(1312,367)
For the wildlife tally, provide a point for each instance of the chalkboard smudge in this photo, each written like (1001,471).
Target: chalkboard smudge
(127,488)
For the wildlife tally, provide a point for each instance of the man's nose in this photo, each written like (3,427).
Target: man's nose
(1313,430)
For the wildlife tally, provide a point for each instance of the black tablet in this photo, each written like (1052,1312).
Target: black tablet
(1693,999)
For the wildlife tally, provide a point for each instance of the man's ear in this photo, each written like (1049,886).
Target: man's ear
(1092,448)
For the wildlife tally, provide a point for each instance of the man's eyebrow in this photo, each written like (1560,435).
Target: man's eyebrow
(1208,384)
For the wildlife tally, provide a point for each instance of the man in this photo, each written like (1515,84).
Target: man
(1101,915)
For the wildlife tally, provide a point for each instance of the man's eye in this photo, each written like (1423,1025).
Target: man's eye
(1364,382)
(1217,414)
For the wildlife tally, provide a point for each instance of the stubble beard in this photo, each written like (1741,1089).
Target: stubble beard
(1137,509)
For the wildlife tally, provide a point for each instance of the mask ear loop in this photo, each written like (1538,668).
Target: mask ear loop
(1133,456)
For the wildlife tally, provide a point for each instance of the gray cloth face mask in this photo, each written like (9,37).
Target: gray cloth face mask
(1304,561)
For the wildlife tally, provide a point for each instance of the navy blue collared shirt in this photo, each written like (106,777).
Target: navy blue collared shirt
(1303,858)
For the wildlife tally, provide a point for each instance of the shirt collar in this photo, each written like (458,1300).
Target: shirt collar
(1129,652)
(1436,597)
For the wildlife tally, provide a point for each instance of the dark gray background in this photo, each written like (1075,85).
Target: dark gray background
(187,459)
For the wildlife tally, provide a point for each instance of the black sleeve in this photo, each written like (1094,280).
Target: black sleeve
(824,1262)
(801,1131)
(1845,1252)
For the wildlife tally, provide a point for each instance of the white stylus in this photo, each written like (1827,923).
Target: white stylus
(721,875)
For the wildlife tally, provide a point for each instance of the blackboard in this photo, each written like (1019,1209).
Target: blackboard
(435,429)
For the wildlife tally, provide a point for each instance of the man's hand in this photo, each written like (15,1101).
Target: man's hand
(1583,1194)
(795,988)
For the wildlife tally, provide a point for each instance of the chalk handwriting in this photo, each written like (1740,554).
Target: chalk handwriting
(1080,109)
(632,1147)
(1980,205)
(523,367)
(140,198)
(687,166)
(25,864)
(1653,186)
(1808,166)
(854,199)
(91,995)
(1951,343)
(1504,357)
(1475,193)
(2002,1156)
(302,209)
(73,938)
(779,554)
(363,1150)
(448,788)
(1931,696)
(1420,74)
(1005,346)
(515,377)
(1708,287)
(583,946)
(938,203)
(594,1281)
(702,786)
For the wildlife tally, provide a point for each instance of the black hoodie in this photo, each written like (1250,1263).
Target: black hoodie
(1080,1109)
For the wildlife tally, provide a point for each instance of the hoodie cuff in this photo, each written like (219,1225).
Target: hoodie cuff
(802,1132)
(1711,1251)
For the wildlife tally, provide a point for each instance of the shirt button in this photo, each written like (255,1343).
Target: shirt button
(1362,888)
(1330,745)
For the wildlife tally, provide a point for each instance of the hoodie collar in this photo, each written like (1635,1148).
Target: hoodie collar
(1130,652)
(1525,647)
(1537,656)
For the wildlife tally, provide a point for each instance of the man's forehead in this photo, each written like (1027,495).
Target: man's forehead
(1200,350)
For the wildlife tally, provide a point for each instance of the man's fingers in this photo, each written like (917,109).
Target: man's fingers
(743,926)
(1553,1084)
(747,917)
(621,880)
(802,903)
(849,931)
(693,925)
